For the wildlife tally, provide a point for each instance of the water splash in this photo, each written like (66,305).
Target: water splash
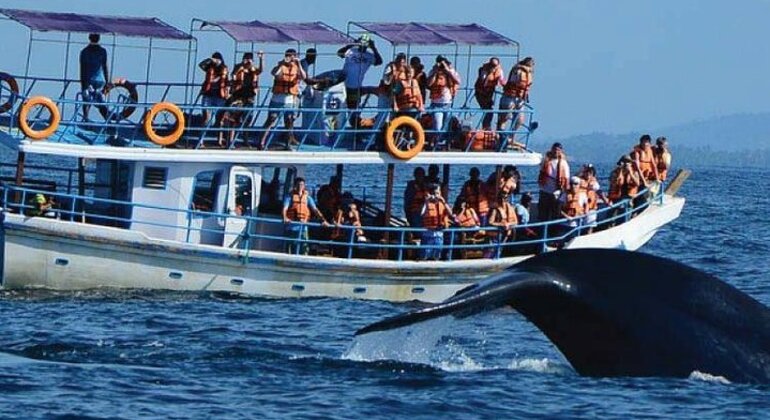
(412,344)
(707,377)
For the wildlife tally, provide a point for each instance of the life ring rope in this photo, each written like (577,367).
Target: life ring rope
(176,133)
(53,121)
(397,147)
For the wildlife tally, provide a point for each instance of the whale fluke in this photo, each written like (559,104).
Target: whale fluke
(619,313)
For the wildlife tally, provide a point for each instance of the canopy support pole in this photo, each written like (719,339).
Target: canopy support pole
(445,183)
(340,168)
(67,57)
(388,205)
(147,74)
(19,177)
(498,175)
(82,185)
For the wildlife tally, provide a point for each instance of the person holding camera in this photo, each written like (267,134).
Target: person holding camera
(489,78)
(515,95)
(435,217)
(443,83)
(287,75)
(357,63)
(214,90)
(553,181)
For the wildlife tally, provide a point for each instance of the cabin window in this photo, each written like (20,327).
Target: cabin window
(155,178)
(244,192)
(205,189)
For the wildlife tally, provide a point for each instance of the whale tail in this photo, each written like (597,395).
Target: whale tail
(619,313)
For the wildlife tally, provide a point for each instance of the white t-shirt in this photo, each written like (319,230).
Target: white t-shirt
(356,65)
(551,182)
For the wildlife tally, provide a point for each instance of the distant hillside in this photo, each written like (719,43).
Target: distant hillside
(737,139)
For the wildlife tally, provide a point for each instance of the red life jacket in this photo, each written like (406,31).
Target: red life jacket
(646,161)
(573,207)
(415,206)
(487,82)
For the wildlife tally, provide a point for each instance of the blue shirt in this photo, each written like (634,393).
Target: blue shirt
(356,65)
(93,66)
(522,213)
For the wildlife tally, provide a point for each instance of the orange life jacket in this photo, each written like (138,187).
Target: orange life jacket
(442,80)
(467,218)
(239,77)
(572,206)
(546,171)
(215,82)
(298,210)
(409,95)
(519,83)
(476,197)
(646,161)
(486,85)
(663,160)
(417,201)
(616,185)
(435,215)
(288,81)
(507,213)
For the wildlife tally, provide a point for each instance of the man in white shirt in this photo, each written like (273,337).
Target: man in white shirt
(357,63)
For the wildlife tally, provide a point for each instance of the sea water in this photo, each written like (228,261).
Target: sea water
(163,354)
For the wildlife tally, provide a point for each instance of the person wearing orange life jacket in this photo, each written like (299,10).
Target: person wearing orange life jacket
(443,84)
(553,181)
(464,215)
(593,192)
(435,215)
(243,90)
(644,159)
(330,197)
(516,94)
(419,74)
(214,91)
(298,207)
(662,158)
(287,75)
(414,197)
(407,94)
(475,193)
(575,204)
(491,75)
(504,217)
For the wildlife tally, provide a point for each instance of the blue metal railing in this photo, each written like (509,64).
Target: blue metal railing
(460,123)
(396,243)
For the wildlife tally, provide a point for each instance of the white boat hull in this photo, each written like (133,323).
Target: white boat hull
(52,254)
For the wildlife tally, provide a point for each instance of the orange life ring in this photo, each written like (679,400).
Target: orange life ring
(53,122)
(7,78)
(128,108)
(170,138)
(412,150)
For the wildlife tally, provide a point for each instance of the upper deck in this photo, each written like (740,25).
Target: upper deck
(157,121)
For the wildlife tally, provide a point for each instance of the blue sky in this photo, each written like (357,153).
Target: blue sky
(612,66)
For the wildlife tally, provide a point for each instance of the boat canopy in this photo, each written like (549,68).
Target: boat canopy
(279,32)
(414,33)
(140,27)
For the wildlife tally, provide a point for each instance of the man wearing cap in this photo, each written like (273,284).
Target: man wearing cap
(214,90)
(553,180)
(93,72)
(357,63)
(287,75)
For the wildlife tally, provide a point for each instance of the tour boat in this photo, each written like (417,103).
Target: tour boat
(143,198)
